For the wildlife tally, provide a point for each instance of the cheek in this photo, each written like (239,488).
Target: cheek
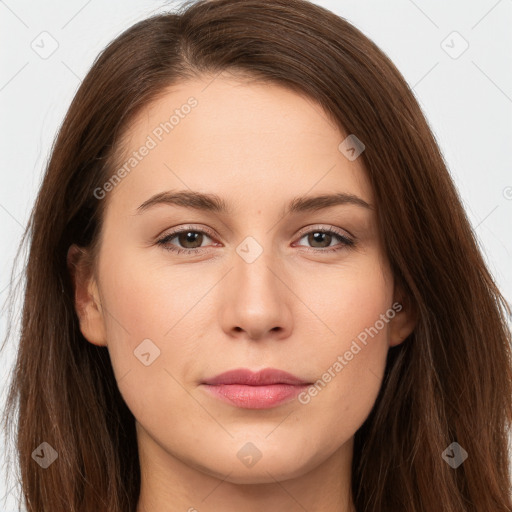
(149,331)
(346,299)
(146,301)
(351,355)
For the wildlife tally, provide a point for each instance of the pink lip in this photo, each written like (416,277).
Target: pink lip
(255,390)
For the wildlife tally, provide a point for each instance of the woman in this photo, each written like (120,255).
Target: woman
(331,339)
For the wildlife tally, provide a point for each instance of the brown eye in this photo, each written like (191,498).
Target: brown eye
(321,240)
(187,240)
(194,238)
(318,237)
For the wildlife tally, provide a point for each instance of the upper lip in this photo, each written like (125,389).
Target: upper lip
(263,377)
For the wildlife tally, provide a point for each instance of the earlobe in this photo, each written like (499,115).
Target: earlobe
(404,321)
(86,297)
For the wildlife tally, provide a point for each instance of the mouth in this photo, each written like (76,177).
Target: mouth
(255,390)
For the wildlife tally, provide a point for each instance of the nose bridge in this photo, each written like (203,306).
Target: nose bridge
(255,266)
(255,299)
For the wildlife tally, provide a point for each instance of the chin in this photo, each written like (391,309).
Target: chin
(280,465)
(262,475)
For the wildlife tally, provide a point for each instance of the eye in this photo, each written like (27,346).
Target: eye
(321,239)
(191,240)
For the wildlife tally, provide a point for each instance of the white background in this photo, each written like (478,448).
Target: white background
(467,100)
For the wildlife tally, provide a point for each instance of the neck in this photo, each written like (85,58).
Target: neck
(169,484)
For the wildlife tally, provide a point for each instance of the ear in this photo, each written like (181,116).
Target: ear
(405,319)
(86,296)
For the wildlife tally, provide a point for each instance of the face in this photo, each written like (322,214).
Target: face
(188,287)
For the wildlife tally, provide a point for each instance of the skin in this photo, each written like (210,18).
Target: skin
(256,146)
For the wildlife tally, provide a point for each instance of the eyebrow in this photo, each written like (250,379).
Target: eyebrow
(213,203)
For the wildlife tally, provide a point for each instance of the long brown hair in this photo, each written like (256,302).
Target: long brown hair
(450,381)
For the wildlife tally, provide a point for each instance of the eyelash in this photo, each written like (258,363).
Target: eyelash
(345,241)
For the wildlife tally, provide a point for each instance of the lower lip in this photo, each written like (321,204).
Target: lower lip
(255,397)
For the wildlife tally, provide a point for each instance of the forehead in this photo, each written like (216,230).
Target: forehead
(236,138)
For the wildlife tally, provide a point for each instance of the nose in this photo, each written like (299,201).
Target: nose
(255,302)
